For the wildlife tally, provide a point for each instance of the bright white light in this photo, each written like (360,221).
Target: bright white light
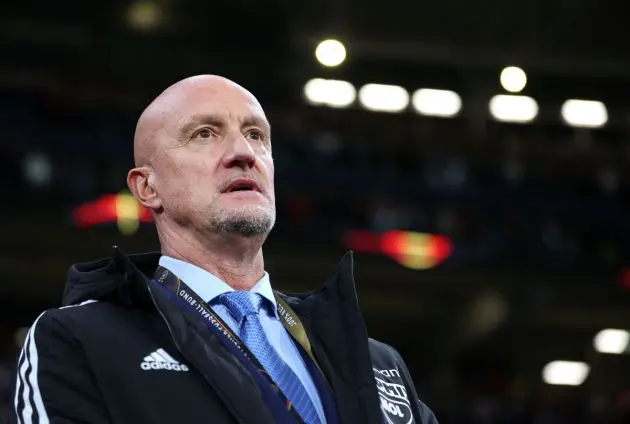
(431,102)
(513,79)
(333,93)
(517,109)
(584,113)
(37,169)
(565,373)
(330,53)
(612,341)
(383,98)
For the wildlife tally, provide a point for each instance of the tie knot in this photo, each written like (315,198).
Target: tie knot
(241,303)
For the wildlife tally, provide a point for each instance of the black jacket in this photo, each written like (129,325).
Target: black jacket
(87,361)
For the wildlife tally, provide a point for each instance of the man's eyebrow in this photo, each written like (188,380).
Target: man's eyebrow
(256,121)
(213,119)
(198,119)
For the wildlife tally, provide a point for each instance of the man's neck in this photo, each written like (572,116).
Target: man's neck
(236,260)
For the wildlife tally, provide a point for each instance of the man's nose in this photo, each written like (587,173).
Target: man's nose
(239,153)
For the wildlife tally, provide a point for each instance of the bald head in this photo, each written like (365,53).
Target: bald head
(179,96)
(195,141)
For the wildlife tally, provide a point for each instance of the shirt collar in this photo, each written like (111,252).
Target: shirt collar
(208,287)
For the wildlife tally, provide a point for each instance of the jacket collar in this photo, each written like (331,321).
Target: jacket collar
(330,314)
(339,339)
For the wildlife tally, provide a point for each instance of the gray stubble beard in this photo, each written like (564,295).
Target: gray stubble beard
(247,222)
(247,227)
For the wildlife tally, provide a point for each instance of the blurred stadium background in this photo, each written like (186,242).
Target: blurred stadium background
(474,155)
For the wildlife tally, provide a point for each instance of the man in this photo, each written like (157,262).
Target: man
(195,334)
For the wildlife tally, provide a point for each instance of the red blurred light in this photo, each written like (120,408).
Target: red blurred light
(413,250)
(364,241)
(393,243)
(441,247)
(103,210)
(96,212)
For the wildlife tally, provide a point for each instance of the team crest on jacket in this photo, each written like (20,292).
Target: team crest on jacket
(393,395)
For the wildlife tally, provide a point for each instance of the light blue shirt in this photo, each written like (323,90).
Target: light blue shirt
(208,288)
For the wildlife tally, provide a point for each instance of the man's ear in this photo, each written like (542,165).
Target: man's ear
(141,182)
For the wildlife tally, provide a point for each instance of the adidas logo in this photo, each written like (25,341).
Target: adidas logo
(160,360)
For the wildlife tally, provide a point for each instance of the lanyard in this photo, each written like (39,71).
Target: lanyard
(288,317)
(188,299)
(272,396)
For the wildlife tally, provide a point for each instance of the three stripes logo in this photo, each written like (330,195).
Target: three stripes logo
(160,360)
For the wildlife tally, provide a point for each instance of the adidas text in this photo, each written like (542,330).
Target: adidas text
(163,366)
(161,360)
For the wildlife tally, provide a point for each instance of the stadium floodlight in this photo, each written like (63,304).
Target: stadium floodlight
(515,109)
(383,98)
(584,113)
(144,15)
(513,79)
(327,92)
(432,102)
(565,373)
(613,341)
(330,53)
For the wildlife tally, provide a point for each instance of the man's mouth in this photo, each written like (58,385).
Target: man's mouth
(242,184)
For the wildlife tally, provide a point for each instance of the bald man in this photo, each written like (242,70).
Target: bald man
(195,333)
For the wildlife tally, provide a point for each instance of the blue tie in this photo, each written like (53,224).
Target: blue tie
(244,307)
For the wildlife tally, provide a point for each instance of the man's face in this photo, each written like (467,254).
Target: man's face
(213,166)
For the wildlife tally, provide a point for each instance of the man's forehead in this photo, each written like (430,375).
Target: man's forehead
(226,104)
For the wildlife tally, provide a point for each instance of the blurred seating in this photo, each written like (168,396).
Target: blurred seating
(500,193)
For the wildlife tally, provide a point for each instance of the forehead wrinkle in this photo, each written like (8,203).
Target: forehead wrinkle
(158,116)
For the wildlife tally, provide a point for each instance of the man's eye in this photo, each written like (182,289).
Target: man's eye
(256,135)
(204,133)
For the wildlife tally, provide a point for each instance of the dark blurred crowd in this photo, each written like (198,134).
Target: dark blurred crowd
(479,409)
(499,191)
